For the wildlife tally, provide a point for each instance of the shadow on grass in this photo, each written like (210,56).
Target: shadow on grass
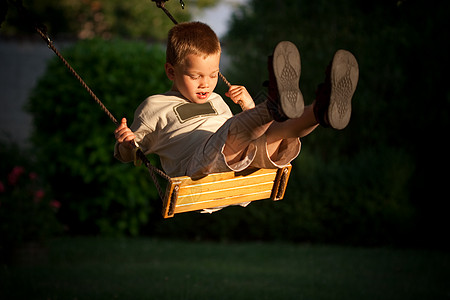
(102,268)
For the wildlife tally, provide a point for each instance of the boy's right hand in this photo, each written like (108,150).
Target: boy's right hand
(239,95)
(124,135)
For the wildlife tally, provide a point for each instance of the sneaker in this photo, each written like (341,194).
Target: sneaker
(285,98)
(333,105)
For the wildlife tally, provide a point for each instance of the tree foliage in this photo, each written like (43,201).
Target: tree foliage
(398,113)
(74,139)
(99,18)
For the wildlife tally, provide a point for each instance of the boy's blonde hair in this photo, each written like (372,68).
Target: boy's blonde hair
(190,38)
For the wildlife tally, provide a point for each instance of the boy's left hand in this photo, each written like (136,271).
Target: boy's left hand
(240,96)
(124,135)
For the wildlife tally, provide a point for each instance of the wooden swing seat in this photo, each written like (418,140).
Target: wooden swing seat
(184,194)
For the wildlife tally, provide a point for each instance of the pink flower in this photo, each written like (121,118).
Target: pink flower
(2,187)
(55,204)
(38,195)
(13,177)
(33,176)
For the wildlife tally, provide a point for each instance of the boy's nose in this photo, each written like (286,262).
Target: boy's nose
(204,82)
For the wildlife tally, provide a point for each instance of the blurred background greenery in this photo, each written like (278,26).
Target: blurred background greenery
(381,181)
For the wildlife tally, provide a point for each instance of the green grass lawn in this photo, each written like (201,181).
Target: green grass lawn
(100,268)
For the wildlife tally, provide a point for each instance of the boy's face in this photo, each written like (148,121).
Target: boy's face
(196,79)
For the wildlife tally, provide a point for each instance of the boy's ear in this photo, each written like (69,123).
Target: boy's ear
(170,70)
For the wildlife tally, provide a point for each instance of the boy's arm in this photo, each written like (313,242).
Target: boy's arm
(125,142)
(240,96)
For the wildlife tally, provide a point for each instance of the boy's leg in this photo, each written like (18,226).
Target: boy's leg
(246,127)
(285,101)
(292,128)
(331,108)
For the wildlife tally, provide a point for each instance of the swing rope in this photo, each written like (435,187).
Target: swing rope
(49,42)
(161,4)
(138,152)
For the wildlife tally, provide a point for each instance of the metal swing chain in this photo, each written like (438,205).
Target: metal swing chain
(152,169)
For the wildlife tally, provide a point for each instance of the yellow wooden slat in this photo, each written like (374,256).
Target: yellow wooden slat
(225,184)
(195,195)
(222,189)
(186,188)
(223,202)
(219,177)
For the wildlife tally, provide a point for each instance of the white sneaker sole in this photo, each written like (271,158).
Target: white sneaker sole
(287,69)
(344,78)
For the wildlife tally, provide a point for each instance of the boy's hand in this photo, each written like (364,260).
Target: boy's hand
(124,135)
(240,96)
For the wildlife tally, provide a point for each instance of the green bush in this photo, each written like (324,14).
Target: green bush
(73,138)
(27,208)
(362,200)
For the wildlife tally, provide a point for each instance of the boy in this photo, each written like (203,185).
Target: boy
(192,129)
